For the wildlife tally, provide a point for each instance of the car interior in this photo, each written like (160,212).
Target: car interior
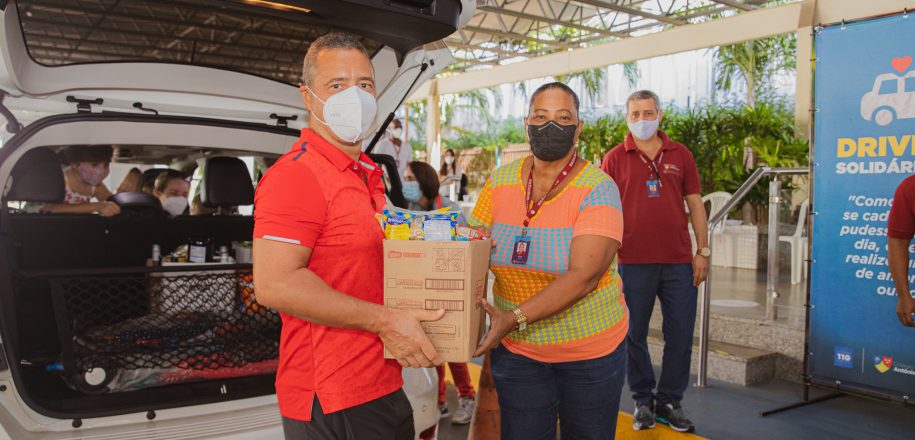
(95,322)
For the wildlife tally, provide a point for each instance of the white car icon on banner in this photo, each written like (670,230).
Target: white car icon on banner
(893,97)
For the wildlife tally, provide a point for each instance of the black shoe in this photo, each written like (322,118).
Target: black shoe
(643,417)
(671,414)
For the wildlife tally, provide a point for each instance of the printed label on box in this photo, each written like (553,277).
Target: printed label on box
(403,303)
(404,283)
(435,284)
(449,305)
(449,260)
(438,329)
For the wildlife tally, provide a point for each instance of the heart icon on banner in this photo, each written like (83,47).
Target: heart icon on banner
(901,64)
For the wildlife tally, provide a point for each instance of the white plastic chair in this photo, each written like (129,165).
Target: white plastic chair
(717,200)
(798,245)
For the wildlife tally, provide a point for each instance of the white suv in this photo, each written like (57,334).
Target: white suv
(203,86)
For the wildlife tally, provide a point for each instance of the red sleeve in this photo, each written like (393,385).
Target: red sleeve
(691,183)
(902,218)
(289,205)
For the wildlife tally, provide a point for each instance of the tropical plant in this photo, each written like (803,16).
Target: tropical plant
(416,117)
(591,80)
(632,73)
(751,62)
(598,136)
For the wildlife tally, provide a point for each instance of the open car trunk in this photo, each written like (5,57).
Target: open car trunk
(89,329)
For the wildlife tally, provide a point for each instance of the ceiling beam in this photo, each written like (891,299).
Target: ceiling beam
(553,21)
(518,36)
(496,50)
(736,4)
(752,25)
(631,11)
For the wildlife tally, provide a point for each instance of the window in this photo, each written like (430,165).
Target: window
(889,86)
(910,84)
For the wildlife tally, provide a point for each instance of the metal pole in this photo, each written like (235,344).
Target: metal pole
(714,221)
(704,300)
(775,187)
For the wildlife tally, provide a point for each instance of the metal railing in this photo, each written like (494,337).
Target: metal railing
(772,267)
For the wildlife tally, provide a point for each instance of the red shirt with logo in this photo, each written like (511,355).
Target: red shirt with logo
(902,215)
(656,227)
(317,196)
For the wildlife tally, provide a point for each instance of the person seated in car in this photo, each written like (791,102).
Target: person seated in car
(131,182)
(171,188)
(420,188)
(149,185)
(85,169)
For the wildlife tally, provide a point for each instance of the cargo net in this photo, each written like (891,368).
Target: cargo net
(124,333)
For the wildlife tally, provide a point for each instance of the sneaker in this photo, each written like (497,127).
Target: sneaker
(464,412)
(443,409)
(643,417)
(671,414)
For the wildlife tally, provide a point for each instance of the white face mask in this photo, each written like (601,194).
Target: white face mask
(348,113)
(397,132)
(175,206)
(643,129)
(449,160)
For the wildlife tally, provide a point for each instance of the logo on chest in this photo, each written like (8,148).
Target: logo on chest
(670,168)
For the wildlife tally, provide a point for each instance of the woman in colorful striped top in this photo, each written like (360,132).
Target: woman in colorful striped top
(559,322)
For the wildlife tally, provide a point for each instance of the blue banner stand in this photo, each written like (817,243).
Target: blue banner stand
(836,387)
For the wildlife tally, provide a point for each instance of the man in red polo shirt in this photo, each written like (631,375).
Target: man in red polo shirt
(900,230)
(318,261)
(655,175)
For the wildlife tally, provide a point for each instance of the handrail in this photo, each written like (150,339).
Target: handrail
(705,299)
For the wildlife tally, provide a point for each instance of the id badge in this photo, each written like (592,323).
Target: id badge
(654,191)
(521,249)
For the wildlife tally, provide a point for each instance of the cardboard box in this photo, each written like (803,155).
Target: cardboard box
(434,275)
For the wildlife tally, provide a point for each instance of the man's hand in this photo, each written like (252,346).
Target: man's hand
(501,323)
(905,308)
(405,338)
(700,269)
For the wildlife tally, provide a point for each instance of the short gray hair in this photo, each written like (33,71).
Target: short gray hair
(641,95)
(333,40)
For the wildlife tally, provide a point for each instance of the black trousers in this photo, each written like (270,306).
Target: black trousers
(386,418)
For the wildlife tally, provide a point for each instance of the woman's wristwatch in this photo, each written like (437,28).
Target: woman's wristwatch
(520,319)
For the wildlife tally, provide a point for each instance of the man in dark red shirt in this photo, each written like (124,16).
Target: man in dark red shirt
(655,175)
(318,261)
(900,230)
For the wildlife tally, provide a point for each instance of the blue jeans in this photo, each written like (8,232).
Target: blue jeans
(584,395)
(673,285)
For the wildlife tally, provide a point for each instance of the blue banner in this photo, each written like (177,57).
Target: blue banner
(864,146)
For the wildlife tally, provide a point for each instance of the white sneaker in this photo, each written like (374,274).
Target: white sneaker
(464,412)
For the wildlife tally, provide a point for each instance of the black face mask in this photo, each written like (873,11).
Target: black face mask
(551,141)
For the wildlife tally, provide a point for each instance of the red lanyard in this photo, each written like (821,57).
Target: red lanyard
(652,166)
(438,202)
(533,210)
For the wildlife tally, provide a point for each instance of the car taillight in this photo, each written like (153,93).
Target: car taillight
(428,434)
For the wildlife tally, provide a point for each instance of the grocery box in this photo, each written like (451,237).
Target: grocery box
(435,275)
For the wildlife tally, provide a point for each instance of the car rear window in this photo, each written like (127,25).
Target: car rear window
(255,40)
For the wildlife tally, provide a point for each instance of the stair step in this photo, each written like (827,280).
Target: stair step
(726,362)
(785,340)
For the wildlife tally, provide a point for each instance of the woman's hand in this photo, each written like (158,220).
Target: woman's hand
(107,209)
(501,323)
